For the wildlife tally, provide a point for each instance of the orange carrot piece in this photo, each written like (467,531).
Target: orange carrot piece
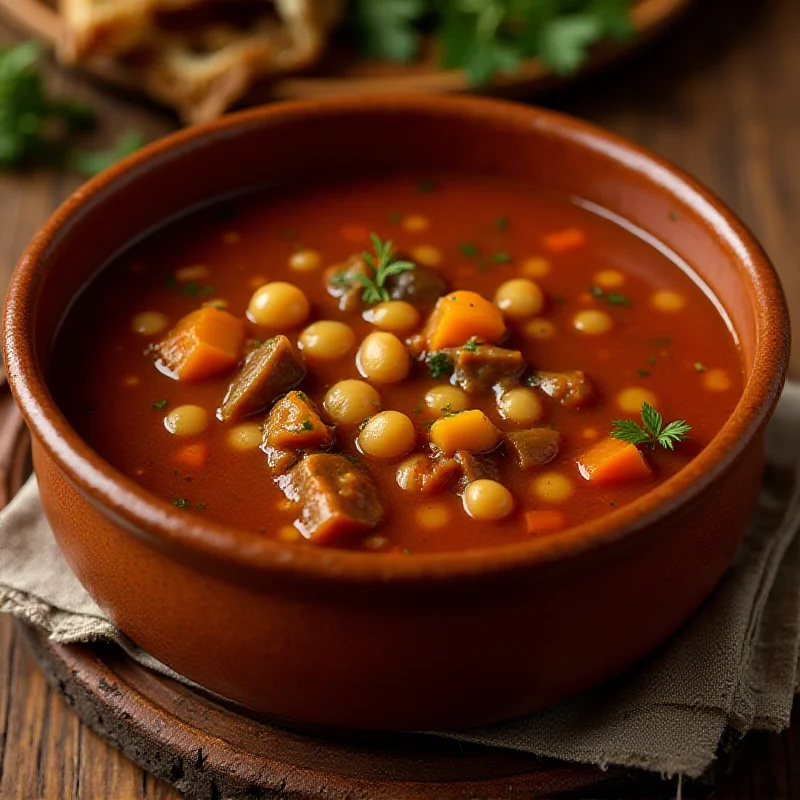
(545,521)
(355,234)
(204,343)
(564,241)
(460,315)
(612,461)
(192,455)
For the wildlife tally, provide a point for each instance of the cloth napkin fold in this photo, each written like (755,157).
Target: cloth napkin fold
(733,667)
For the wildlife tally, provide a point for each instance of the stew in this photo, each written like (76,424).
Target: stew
(398,364)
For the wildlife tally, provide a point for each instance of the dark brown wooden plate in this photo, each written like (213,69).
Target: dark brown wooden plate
(342,72)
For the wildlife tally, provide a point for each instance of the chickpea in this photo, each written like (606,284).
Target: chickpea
(535,267)
(350,402)
(633,398)
(435,515)
(717,380)
(395,316)
(553,487)
(194,273)
(444,399)
(593,322)
(278,305)
(487,500)
(539,328)
(383,358)
(387,435)
(416,223)
(520,406)
(327,340)
(186,420)
(519,298)
(668,301)
(150,323)
(305,260)
(375,542)
(470,430)
(609,278)
(427,255)
(288,533)
(246,436)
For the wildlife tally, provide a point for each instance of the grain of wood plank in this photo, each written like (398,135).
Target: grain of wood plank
(720,96)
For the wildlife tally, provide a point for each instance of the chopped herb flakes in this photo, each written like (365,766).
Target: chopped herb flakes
(199,506)
(180,502)
(674,215)
(469,250)
(472,345)
(195,289)
(612,298)
(159,404)
(395,217)
(698,367)
(501,224)
(426,185)
(501,258)
(439,365)
(307,425)
(644,373)
(363,423)
(651,360)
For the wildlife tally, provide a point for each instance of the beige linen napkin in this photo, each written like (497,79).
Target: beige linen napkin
(733,667)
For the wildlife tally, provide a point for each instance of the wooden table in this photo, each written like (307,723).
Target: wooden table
(719,95)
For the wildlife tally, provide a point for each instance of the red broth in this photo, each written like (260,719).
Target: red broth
(668,337)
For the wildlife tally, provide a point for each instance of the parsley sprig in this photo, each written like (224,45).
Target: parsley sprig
(652,432)
(382,267)
(487,37)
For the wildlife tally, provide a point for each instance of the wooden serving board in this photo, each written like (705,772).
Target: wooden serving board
(342,72)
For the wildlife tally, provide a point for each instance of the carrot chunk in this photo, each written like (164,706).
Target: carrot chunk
(612,461)
(204,343)
(564,241)
(545,521)
(193,455)
(460,315)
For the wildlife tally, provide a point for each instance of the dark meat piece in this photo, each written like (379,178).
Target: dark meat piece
(573,389)
(475,468)
(429,475)
(534,447)
(420,286)
(268,372)
(478,371)
(338,497)
(341,283)
(295,424)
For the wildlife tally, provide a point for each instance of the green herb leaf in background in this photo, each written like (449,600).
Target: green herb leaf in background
(91,162)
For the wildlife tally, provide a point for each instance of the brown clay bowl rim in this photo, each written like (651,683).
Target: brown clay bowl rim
(146,515)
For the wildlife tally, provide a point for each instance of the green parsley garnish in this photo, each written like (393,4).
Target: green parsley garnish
(307,425)
(652,432)
(395,217)
(363,423)
(439,365)
(426,184)
(651,360)
(472,345)
(674,215)
(382,267)
(698,367)
(468,249)
(159,404)
(418,408)
(596,291)
(36,128)
(447,409)
(486,37)
(501,224)
(194,289)
(180,502)
(644,373)
(341,280)
(199,506)
(501,258)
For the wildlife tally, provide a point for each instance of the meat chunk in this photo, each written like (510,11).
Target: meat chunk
(267,372)
(534,447)
(338,498)
(295,424)
(420,286)
(427,475)
(480,368)
(342,283)
(572,389)
(475,468)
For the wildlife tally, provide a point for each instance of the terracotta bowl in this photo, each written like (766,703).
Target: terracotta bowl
(364,640)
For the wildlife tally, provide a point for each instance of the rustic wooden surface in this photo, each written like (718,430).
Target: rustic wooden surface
(719,95)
